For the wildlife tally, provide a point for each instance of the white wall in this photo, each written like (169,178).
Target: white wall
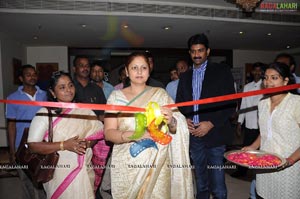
(241,57)
(9,49)
(48,54)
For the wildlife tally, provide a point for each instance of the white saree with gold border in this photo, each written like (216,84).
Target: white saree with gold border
(81,122)
(155,173)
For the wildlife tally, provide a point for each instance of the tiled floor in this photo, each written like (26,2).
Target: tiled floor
(238,188)
(10,187)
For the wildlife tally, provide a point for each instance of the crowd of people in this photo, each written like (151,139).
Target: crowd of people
(95,145)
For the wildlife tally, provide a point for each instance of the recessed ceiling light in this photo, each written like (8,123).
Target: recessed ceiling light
(288,46)
(35,37)
(241,32)
(269,34)
(166,27)
(125,26)
(83,25)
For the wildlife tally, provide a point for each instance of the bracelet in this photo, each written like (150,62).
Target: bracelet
(290,161)
(122,138)
(61,146)
(173,123)
(88,144)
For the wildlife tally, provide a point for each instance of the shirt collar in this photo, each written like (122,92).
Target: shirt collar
(201,68)
(77,83)
(258,83)
(38,90)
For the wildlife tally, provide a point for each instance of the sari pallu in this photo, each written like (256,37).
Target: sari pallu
(73,171)
(155,173)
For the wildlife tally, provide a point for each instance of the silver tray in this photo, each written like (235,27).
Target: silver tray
(258,153)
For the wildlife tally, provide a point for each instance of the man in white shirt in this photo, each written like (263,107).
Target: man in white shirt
(248,112)
(290,61)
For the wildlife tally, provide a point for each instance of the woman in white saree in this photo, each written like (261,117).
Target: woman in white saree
(75,131)
(162,172)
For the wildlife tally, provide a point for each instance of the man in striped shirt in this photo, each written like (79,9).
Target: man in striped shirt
(209,124)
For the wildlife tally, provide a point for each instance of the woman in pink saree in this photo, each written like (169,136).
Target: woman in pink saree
(163,171)
(75,131)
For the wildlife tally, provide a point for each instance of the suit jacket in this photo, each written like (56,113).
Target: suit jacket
(154,83)
(217,81)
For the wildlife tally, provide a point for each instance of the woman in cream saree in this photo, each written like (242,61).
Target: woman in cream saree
(155,173)
(73,132)
(74,176)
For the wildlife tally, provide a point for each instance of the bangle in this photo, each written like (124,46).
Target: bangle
(88,144)
(122,138)
(290,161)
(173,123)
(61,146)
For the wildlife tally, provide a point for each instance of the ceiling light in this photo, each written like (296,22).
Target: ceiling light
(166,27)
(35,37)
(288,46)
(83,25)
(241,32)
(269,34)
(125,26)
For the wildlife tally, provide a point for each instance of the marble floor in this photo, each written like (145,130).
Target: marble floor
(10,186)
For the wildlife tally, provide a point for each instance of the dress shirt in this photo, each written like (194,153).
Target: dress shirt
(22,113)
(297,80)
(250,116)
(172,88)
(91,93)
(107,89)
(198,77)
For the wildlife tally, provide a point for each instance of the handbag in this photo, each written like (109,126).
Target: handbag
(40,168)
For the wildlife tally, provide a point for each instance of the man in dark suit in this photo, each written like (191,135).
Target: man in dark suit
(209,124)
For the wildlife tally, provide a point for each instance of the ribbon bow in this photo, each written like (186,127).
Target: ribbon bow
(153,121)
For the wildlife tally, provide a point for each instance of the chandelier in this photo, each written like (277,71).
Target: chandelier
(248,5)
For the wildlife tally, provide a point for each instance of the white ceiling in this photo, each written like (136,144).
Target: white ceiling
(104,28)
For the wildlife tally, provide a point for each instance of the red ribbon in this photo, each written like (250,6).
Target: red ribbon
(75,105)
(138,109)
(236,96)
